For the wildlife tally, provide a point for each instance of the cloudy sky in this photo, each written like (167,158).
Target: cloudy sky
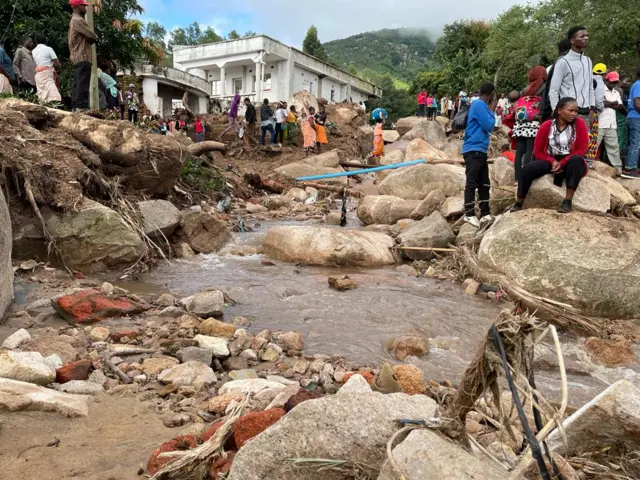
(288,20)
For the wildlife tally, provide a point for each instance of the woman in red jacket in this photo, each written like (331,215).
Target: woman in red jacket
(560,148)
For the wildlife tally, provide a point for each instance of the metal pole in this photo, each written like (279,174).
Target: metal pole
(94,97)
(358,172)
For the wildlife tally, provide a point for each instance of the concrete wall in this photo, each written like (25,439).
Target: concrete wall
(304,79)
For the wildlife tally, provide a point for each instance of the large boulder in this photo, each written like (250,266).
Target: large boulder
(453,148)
(303,100)
(432,232)
(159,217)
(30,367)
(591,195)
(632,185)
(405,125)
(6,270)
(503,192)
(432,202)
(415,183)
(432,132)
(390,136)
(588,261)
(427,454)
(365,140)
(385,209)
(329,246)
(620,196)
(327,159)
(94,238)
(354,427)
(420,149)
(389,158)
(610,418)
(400,145)
(344,114)
(327,162)
(203,232)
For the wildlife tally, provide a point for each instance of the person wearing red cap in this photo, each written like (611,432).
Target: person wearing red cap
(608,124)
(81,37)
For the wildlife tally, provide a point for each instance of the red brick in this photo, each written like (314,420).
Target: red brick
(221,466)
(302,396)
(181,442)
(230,444)
(252,424)
(118,334)
(88,306)
(368,376)
(79,370)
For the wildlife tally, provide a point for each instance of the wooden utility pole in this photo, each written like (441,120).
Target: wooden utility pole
(94,97)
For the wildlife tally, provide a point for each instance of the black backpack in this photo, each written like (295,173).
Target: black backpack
(459,123)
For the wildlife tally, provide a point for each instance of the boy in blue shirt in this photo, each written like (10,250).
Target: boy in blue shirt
(633,120)
(480,122)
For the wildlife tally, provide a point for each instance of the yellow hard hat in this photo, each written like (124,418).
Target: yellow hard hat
(600,69)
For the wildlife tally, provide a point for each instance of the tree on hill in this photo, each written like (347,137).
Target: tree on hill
(193,35)
(233,35)
(312,46)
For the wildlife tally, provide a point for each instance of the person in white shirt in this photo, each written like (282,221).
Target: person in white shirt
(281,122)
(46,62)
(608,123)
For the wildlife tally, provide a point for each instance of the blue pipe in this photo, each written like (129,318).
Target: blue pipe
(358,172)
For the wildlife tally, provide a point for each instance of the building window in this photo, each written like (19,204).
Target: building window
(215,87)
(237,85)
(253,83)
(267,81)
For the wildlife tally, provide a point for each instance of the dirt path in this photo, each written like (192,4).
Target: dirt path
(111,443)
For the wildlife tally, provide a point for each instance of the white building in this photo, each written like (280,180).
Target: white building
(261,67)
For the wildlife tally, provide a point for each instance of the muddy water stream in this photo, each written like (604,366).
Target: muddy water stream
(358,324)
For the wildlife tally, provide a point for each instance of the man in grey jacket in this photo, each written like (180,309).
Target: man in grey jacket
(572,75)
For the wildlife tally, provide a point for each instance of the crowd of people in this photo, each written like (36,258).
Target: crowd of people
(569,115)
(430,105)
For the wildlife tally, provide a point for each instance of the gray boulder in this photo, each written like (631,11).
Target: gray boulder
(188,373)
(591,195)
(389,158)
(432,202)
(405,125)
(329,246)
(385,209)
(94,238)
(419,149)
(327,162)
(415,183)
(27,367)
(203,232)
(205,304)
(16,395)
(390,136)
(452,207)
(159,217)
(427,454)
(611,417)
(432,132)
(620,196)
(453,148)
(466,234)
(588,261)
(632,186)
(352,427)
(432,231)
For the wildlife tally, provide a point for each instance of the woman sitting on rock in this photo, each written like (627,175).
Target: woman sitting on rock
(560,148)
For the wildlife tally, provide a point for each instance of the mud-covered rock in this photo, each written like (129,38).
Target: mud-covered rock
(159,217)
(203,232)
(88,306)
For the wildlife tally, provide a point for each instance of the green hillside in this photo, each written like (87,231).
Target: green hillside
(401,52)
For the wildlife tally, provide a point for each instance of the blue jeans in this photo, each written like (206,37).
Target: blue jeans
(634,143)
(268,128)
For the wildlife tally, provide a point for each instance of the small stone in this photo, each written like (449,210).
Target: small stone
(267,263)
(610,353)
(301,396)
(357,384)
(54,361)
(116,360)
(504,453)
(16,339)
(245,374)
(216,328)
(334,218)
(338,374)
(411,379)
(249,354)
(235,363)
(205,304)
(99,334)
(254,208)
(291,341)
(74,371)
(301,366)
(270,354)
(250,425)
(218,346)
(430,272)
(106,289)
(187,322)
(220,403)
(316,366)
(153,366)
(241,322)
(471,286)
(402,347)
(251,386)
(188,373)
(80,387)
(184,251)
(176,420)
(407,270)
(241,332)
(195,354)
(165,300)
(491,296)
(342,283)
(368,376)
(284,381)
(266,334)
(98,377)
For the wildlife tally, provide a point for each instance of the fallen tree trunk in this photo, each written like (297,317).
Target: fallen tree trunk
(559,314)
(332,188)
(259,183)
(198,149)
